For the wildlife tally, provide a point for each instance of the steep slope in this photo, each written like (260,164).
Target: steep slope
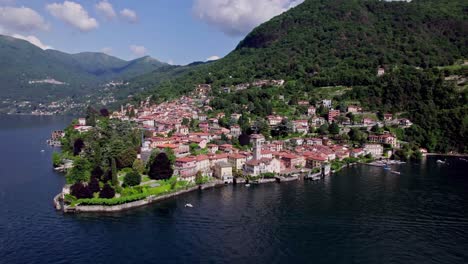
(343,42)
(323,43)
(340,42)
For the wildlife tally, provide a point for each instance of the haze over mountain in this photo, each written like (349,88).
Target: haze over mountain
(28,72)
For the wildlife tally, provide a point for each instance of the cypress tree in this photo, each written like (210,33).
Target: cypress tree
(115,180)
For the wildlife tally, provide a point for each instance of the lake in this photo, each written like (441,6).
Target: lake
(360,215)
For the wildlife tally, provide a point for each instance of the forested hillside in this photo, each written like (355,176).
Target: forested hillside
(323,43)
(22,63)
(335,42)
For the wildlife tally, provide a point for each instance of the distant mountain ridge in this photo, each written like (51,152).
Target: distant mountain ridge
(22,62)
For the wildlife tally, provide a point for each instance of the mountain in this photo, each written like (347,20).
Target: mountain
(339,42)
(332,42)
(26,71)
(338,45)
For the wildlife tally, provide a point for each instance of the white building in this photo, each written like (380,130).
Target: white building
(376,150)
(327,103)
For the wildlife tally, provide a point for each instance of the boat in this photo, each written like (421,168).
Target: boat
(247,185)
(440,162)
(386,167)
(396,172)
(42,150)
(188,205)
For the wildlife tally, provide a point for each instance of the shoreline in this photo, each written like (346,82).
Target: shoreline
(60,206)
(461,155)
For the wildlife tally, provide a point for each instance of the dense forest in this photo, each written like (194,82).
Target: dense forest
(342,43)
(438,108)
(332,42)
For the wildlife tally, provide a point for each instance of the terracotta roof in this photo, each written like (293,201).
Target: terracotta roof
(236,156)
(186,159)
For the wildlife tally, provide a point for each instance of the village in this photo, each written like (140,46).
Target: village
(191,129)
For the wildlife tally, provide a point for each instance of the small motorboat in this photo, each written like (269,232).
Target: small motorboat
(396,172)
(247,185)
(440,162)
(189,205)
(42,150)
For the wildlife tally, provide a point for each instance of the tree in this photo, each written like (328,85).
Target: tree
(283,129)
(91,114)
(199,178)
(80,191)
(356,135)
(323,129)
(93,185)
(139,166)
(104,112)
(185,121)
(161,168)
(80,171)
(78,146)
(170,155)
(56,159)
(224,137)
(132,178)
(334,129)
(107,192)
(377,129)
(115,179)
(97,172)
(126,158)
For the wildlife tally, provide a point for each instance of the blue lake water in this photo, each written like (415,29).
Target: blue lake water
(360,215)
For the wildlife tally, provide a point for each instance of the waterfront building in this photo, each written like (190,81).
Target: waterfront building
(223,171)
(376,150)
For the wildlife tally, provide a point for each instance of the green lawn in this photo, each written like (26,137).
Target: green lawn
(131,194)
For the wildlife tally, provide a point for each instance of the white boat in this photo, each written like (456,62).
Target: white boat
(42,150)
(188,205)
(396,172)
(440,162)
(247,185)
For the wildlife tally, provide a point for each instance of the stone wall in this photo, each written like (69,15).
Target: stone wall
(126,206)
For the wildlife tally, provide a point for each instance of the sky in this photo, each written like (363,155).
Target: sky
(173,31)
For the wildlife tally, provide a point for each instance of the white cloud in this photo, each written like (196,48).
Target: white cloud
(105,8)
(107,50)
(33,40)
(138,51)
(213,58)
(23,19)
(129,15)
(238,17)
(73,14)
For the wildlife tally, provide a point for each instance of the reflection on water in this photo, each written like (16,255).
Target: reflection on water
(360,215)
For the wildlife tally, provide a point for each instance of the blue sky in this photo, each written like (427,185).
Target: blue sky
(174,31)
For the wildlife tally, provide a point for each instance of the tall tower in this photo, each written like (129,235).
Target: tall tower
(257,140)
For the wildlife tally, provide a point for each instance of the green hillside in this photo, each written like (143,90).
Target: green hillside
(22,62)
(330,43)
(336,42)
